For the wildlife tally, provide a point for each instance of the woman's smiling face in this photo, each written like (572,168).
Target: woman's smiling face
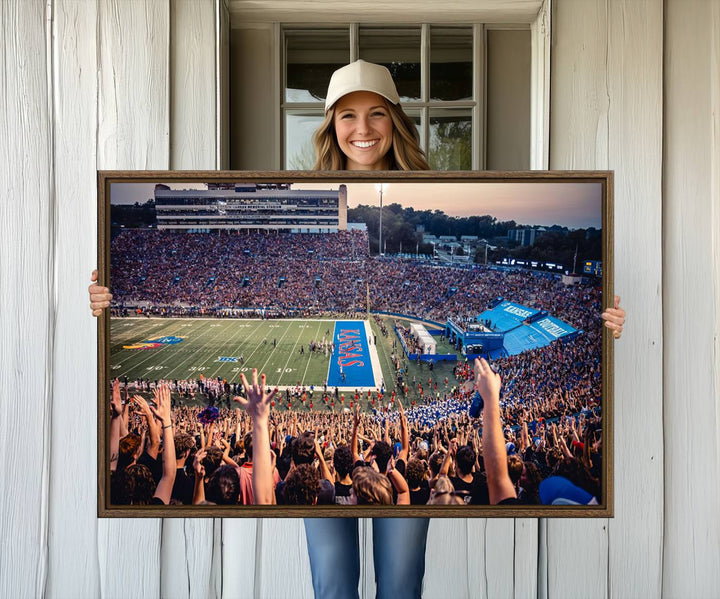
(364,130)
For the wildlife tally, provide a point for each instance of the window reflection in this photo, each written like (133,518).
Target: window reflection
(299,149)
(399,50)
(451,61)
(450,146)
(311,58)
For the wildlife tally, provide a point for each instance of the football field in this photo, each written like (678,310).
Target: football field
(174,348)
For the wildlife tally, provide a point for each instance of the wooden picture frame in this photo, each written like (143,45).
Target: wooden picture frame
(229,215)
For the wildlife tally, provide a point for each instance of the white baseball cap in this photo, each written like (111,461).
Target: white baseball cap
(361,76)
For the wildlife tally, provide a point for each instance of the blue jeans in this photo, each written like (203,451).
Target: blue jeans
(398,554)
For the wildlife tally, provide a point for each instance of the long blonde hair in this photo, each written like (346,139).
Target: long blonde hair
(371,487)
(404,155)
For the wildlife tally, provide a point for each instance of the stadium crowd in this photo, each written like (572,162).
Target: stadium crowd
(323,450)
(427,454)
(227,274)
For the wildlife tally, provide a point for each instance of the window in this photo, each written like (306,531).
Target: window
(467,87)
(438,71)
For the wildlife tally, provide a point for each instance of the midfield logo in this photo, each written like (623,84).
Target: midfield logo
(155,343)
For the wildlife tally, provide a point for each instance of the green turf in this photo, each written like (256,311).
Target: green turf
(206,340)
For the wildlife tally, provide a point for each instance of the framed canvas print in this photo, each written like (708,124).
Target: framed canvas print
(366,344)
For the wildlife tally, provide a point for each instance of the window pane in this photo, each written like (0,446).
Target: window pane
(414,115)
(399,51)
(450,140)
(451,55)
(299,149)
(311,58)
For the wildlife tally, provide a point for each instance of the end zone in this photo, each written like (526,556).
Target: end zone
(354,363)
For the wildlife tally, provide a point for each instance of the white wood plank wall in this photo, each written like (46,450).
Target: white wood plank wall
(27,319)
(606,112)
(86,85)
(74,528)
(691,295)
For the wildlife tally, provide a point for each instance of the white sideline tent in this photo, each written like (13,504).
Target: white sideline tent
(425,339)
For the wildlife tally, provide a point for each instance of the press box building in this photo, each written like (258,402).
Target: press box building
(252,206)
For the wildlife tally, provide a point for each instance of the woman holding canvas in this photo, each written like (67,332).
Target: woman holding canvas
(365,128)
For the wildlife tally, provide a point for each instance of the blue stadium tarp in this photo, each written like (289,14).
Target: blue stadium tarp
(510,318)
(538,334)
(523,339)
(553,328)
(507,315)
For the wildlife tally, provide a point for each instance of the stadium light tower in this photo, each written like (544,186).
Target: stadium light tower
(380,188)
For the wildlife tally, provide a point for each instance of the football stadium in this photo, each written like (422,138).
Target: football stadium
(210,284)
(243,276)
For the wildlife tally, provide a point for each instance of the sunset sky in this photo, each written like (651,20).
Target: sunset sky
(573,205)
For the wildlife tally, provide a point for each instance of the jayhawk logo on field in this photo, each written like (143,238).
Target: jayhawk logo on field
(154,343)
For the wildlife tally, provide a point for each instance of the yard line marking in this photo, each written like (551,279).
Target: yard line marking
(239,330)
(156,353)
(290,355)
(309,354)
(132,355)
(144,331)
(272,353)
(203,350)
(137,328)
(202,344)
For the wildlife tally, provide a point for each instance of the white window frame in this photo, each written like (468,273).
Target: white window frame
(475,107)
(539,90)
